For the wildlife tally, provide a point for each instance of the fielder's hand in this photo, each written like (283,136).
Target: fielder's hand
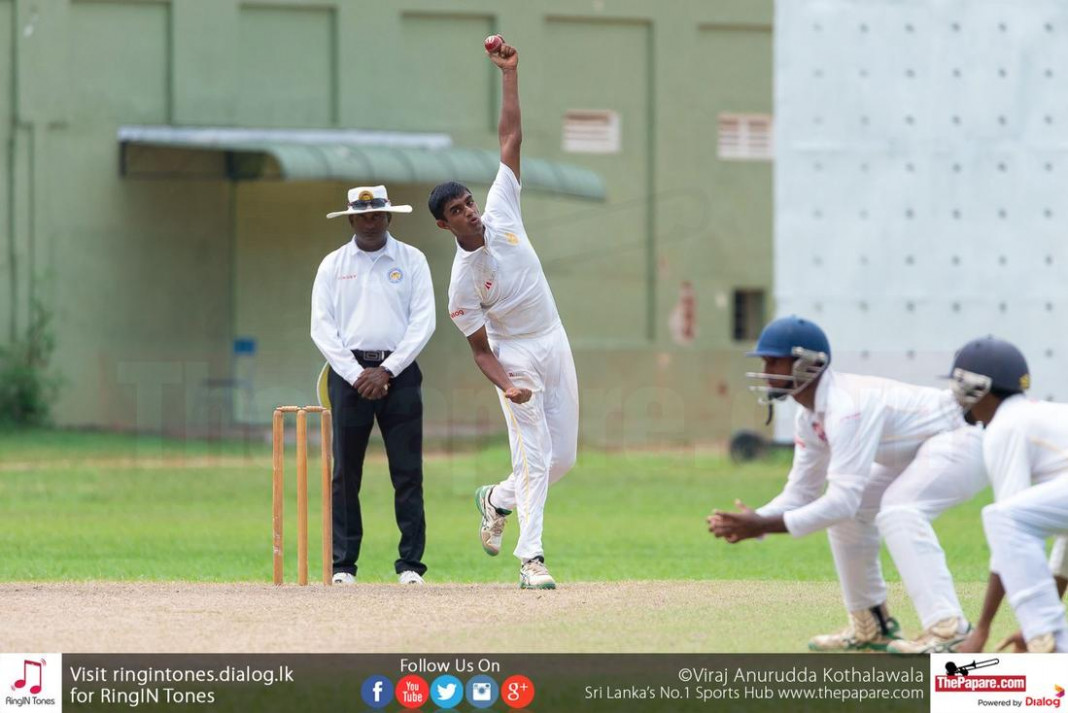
(974,642)
(506,56)
(1016,641)
(518,395)
(715,524)
(734,527)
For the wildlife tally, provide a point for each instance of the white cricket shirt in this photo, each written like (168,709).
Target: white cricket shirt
(372,301)
(1025,444)
(856,421)
(501,285)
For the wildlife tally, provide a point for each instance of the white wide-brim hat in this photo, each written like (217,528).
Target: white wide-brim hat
(370,199)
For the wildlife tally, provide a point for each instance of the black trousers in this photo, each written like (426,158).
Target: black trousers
(400,419)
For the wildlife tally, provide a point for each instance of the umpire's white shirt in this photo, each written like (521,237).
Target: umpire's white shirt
(501,285)
(856,421)
(372,301)
(1025,444)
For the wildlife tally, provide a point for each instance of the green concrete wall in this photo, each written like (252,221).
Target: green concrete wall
(12,247)
(151,279)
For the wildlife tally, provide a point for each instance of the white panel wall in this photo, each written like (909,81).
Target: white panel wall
(922,180)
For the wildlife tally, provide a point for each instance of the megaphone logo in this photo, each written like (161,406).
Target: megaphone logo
(953,669)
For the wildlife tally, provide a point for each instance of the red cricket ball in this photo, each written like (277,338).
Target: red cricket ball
(493,43)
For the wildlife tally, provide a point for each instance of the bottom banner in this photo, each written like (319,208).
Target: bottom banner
(463,682)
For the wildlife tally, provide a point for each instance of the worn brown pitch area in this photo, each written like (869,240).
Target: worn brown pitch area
(177,617)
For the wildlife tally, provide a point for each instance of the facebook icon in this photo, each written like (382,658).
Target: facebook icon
(377,691)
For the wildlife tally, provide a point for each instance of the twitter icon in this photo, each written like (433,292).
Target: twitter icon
(446,691)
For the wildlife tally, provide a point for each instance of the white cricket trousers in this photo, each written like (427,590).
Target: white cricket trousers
(947,471)
(903,498)
(1016,530)
(543,432)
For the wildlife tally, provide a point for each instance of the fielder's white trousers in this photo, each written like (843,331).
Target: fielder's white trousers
(948,470)
(1016,530)
(543,432)
(901,500)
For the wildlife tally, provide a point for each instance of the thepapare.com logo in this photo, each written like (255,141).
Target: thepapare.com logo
(960,678)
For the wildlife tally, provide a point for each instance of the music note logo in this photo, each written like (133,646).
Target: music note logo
(953,669)
(21,683)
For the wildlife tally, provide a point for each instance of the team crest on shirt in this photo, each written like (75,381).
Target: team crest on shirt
(820,433)
(512,238)
(395,276)
(489,284)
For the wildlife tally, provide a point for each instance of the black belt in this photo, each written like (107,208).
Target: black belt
(372,357)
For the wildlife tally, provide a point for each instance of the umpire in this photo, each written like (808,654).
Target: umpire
(372,313)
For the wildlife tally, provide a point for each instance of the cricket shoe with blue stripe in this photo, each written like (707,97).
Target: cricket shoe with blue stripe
(493,521)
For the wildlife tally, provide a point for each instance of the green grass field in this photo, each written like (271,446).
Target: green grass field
(85,506)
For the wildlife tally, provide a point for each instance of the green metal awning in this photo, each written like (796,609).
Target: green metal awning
(367,157)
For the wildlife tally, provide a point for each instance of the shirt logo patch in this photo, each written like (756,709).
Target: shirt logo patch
(395,276)
(820,433)
(457,313)
(512,238)
(489,284)
(348,277)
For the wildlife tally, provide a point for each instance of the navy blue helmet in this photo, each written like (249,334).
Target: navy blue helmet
(782,336)
(988,364)
(797,338)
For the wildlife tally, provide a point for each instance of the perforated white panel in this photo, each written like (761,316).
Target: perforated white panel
(921,180)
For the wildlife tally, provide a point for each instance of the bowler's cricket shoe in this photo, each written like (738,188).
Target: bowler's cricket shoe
(493,521)
(868,630)
(534,575)
(942,637)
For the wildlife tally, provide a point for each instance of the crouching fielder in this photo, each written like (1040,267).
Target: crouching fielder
(1026,452)
(860,442)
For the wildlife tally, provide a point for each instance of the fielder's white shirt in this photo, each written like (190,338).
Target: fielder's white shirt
(1025,444)
(856,421)
(501,285)
(372,301)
